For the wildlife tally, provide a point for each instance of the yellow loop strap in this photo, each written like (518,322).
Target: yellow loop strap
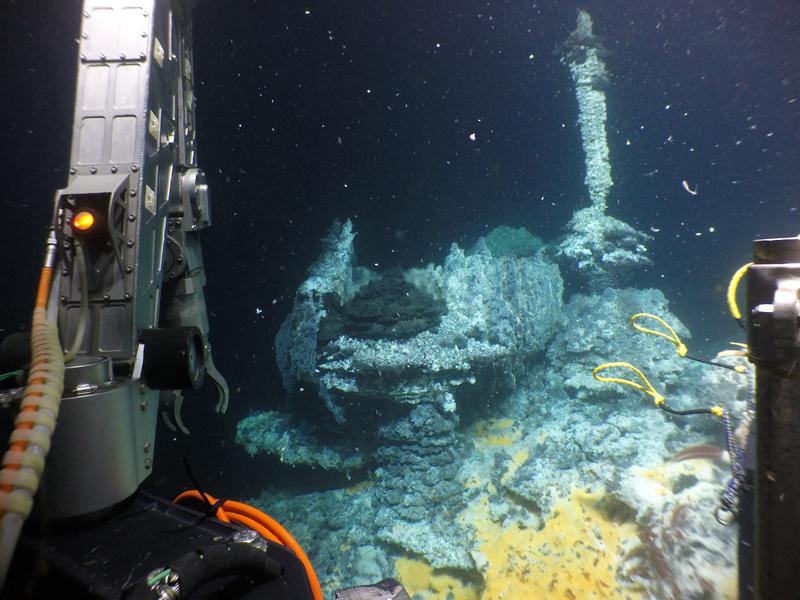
(737,353)
(680,347)
(732,287)
(645,386)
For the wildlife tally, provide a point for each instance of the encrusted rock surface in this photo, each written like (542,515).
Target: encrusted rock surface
(476,428)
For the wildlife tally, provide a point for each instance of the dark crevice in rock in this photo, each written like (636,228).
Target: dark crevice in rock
(389,308)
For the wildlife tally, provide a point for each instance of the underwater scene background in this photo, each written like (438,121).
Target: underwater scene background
(432,222)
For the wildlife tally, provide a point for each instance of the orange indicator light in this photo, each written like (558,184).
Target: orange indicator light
(83,221)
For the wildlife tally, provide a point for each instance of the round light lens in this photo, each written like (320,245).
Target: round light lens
(83,221)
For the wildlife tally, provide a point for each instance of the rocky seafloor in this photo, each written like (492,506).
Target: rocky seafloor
(484,459)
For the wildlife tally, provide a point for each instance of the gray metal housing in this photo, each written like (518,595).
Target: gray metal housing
(133,161)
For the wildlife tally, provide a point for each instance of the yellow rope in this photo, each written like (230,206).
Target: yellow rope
(645,387)
(671,336)
(732,287)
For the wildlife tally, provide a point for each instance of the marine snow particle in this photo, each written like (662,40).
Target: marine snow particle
(688,188)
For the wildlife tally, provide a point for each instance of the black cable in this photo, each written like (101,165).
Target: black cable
(194,481)
(712,363)
(683,413)
(211,509)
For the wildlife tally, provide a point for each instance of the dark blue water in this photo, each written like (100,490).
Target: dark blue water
(313,111)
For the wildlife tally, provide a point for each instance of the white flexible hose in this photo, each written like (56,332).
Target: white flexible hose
(30,440)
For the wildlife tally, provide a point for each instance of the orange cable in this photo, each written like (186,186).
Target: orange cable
(244,513)
(195,495)
(278,529)
(256,526)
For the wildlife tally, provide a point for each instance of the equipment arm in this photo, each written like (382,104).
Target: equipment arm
(128,276)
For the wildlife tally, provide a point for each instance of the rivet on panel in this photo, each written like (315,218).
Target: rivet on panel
(114,169)
(93,170)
